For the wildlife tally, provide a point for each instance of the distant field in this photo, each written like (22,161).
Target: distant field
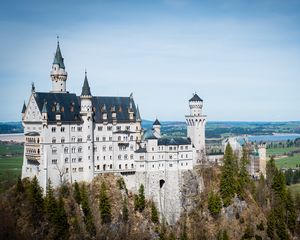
(295,188)
(10,164)
(288,162)
(280,151)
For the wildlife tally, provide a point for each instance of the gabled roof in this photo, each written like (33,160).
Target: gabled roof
(174,141)
(24,108)
(195,98)
(156,122)
(58,59)
(86,91)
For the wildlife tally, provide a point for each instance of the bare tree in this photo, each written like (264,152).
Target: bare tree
(61,172)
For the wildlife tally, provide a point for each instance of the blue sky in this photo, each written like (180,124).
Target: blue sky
(241,57)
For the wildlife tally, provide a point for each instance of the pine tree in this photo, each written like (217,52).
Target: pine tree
(77,195)
(35,196)
(88,218)
(243,178)
(20,186)
(50,203)
(271,171)
(154,213)
(214,204)
(290,212)
(105,209)
(125,212)
(61,221)
(228,183)
(141,198)
(271,225)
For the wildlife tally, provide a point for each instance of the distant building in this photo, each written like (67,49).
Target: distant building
(72,138)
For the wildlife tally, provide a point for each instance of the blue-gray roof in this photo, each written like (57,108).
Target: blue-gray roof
(70,107)
(196,98)
(86,91)
(156,122)
(174,141)
(141,150)
(58,59)
(24,108)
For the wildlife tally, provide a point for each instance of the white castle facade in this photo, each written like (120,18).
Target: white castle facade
(72,138)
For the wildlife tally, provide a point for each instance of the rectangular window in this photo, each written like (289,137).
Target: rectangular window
(54,161)
(80,169)
(109,128)
(79,129)
(100,128)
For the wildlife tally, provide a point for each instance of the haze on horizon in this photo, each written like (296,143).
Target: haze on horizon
(241,57)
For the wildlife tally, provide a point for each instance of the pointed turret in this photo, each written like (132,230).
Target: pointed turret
(24,108)
(156,128)
(156,122)
(86,91)
(45,113)
(58,59)
(58,73)
(138,115)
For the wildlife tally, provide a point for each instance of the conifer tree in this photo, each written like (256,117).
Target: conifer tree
(77,195)
(35,195)
(20,186)
(214,204)
(290,212)
(141,198)
(125,212)
(88,218)
(154,213)
(228,183)
(105,209)
(50,203)
(243,178)
(61,220)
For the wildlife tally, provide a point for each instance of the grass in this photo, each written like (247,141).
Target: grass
(280,151)
(288,162)
(11,157)
(295,189)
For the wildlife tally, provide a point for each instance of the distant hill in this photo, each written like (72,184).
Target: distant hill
(11,127)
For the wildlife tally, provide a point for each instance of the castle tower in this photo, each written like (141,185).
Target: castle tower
(156,128)
(86,113)
(196,125)
(58,73)
(262,154)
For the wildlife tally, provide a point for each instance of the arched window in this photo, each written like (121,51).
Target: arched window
(125,156)
(66,160)
(73,149)
(66,150)
(119,138)
(131,138)
(53,140)
(131,156)
(54,150)
(80,149)
(120,157)
(62,140)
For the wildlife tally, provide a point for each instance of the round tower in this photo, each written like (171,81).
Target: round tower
(196,125)
(86,113)
(156,128)
(58,73)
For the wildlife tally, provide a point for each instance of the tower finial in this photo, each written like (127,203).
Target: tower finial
(57,37)
(32,87)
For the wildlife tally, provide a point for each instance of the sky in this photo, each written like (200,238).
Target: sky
(241,57)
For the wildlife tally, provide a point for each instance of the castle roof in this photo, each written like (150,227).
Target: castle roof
(156,122)
(58,59)
(195,98)
(174,141)
(86,91)
(24,108)
(70,107)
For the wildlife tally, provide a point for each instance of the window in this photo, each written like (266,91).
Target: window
(79,139)
(73,160)
(110,166)
(62,140)
(103,157)
(152,157)
(170,165)
(54,140)
(126,166)
(131,147)
(66,160)
(98,167)
(120,166)
(73,139)
(128,128)
(132,166)
(170,148)
(79,129)
(119,138)
(131,157)
(66,150)
(119,157)
(131,138)
(181,147)
(118,128)
(95,149)
(97,138)
(80,159)
(110,148)
(62,129)
(53,129)
(80,149)
(186,147)
(74,170)
(73,129)
(100,128)
(67,170)
(89,137)
(109,128)
(186,155)
(80,169)
(170,157)
(104,148)
(104,166)
(54,150)
(125,157)
(54,161)
(104,139)
(73,149)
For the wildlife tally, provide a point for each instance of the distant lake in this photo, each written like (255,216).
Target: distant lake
(273,138)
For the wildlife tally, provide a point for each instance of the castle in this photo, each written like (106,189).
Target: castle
(72,138)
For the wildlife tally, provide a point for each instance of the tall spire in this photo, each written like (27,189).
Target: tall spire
(86,91)
(58,59)
(138,116)
(24,108)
